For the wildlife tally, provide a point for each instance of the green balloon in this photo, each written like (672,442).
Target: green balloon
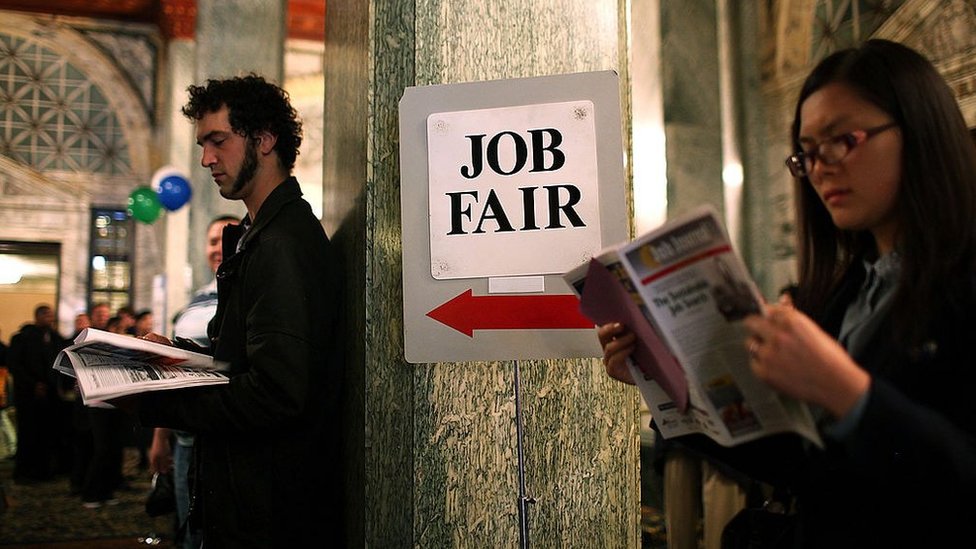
(144,205)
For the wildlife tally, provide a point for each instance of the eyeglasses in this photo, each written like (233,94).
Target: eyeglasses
(832,150)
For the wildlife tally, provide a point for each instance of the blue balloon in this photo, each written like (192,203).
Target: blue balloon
(174,191)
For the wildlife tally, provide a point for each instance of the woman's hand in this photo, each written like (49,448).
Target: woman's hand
(793,355)
(618,343)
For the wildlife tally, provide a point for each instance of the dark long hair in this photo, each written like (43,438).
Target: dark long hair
(936,202)
(254,106)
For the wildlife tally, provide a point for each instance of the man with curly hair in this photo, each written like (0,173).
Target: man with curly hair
(266,470)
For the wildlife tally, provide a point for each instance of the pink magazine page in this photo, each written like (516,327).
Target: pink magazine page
(605,300)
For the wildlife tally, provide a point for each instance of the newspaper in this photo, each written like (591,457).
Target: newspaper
(108,365)
(682,289)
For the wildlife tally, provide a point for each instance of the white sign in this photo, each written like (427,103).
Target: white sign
(515,304)
(512,191)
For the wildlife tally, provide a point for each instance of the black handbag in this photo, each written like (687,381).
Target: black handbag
(770,526)
(162,497)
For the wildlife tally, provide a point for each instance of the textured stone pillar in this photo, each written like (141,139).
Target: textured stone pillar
(178,153)
(432,453)
(693,125)
(692,116)
(759,143)
(233,37)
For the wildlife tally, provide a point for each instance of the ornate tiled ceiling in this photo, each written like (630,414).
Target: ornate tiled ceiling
(53,117)
(306,18)
(842,24)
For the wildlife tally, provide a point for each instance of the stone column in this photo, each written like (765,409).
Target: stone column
(233,37)
(763,216)
(712,93)
(177,24)
(432,447)
(692,114)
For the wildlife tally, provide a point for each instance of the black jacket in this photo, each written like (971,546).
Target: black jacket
(30,358)
(267,443)
(906,476)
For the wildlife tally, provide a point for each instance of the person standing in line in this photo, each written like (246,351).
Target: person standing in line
(82,321)
(3,352)
(116,325)
(144,323)
(8,436)
(140,437)
(8,433)
(32,353)
(67,410)
(98,468)
(172,450)
(267,444)
(126,317)
(879,339)
(98,317)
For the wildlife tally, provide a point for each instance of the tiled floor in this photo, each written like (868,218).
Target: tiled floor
(125,543)
(44,515)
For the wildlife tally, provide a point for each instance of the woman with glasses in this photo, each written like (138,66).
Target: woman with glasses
(881,340)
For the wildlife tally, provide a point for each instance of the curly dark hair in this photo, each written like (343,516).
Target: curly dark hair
(254,106)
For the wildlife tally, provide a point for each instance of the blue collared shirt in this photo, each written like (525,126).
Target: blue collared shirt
(861,320)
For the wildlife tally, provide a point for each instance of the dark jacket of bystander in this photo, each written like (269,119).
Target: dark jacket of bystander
(268,442)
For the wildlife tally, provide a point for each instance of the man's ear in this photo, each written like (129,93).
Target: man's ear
(266,142)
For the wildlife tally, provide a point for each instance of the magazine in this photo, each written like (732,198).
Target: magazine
(108,365)
(683,291)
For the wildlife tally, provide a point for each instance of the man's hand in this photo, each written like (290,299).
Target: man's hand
(156,338)
(160,452)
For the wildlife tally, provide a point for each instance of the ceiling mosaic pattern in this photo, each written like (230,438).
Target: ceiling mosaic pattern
(845,23)
(134,55)
(54,118)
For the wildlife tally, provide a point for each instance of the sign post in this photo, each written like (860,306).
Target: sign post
(524,499)
(505,186)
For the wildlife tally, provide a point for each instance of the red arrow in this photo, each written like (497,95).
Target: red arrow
(467,313)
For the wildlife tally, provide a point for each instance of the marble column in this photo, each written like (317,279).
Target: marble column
(432,447)
(233,37)
(762,168)
(178,154)
(716,125)
(692,112)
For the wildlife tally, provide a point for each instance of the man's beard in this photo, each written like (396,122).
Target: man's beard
(248,168)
